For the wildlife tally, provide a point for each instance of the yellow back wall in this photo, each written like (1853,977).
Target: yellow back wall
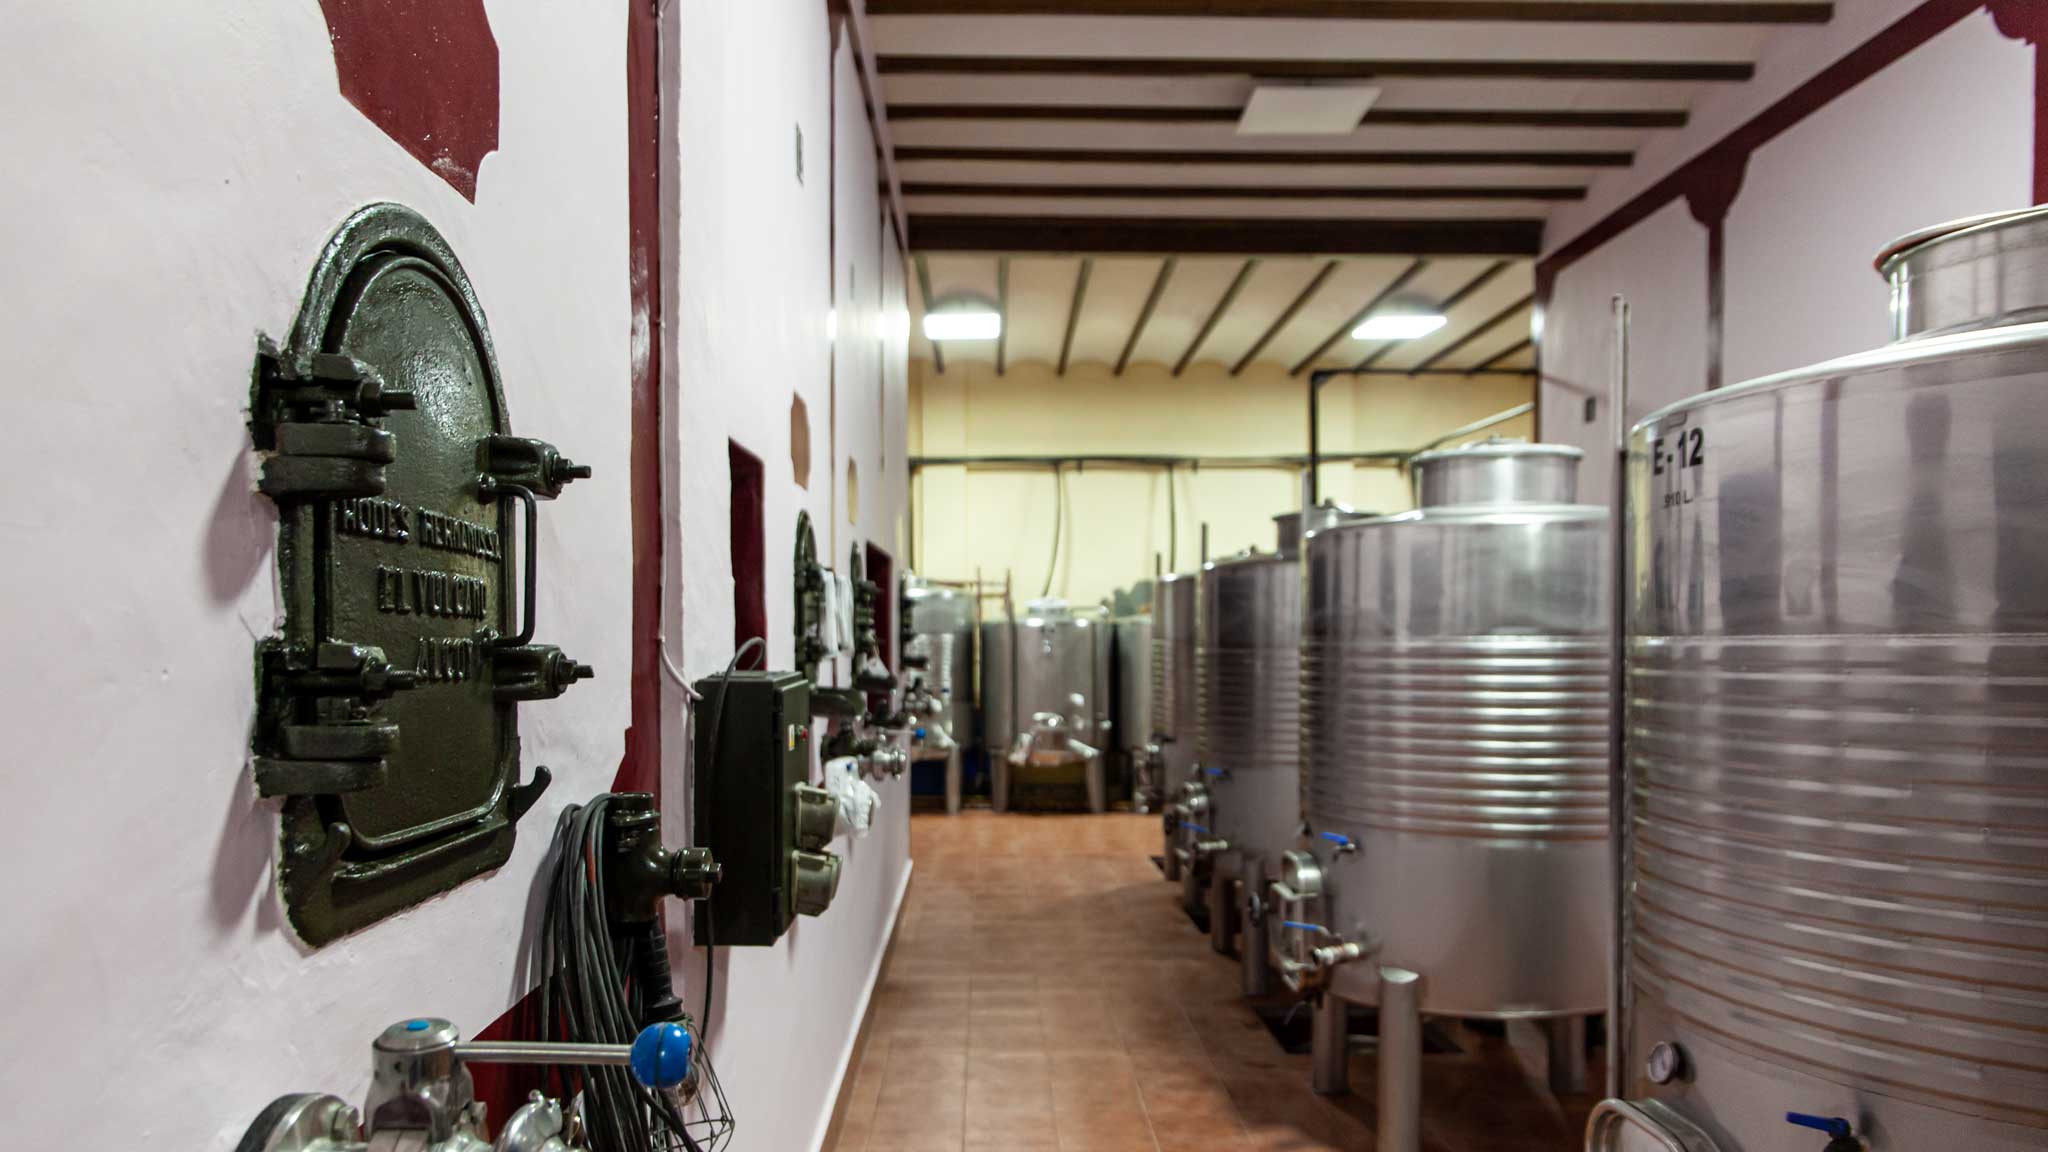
(990,520)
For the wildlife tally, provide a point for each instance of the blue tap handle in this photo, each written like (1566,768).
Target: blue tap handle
(1213,771)
(1196,828)
(1318,929)
(1832,1125)
(1339,839)
(661,1055)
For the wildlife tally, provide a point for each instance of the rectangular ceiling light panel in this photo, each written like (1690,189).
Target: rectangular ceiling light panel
(1305,109)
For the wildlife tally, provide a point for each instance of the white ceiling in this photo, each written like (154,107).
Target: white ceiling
(1059,131)
(1488,329)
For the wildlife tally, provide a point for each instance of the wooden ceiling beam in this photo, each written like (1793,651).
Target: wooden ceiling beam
(1431,117)
(1511,11)
(1321,158)
(1499,356)
(1414,269)
(1074,310)
(1485,326)
(1145,313)
(1292,68)
(1243,192)
(1002,310)
(1286,315)
(1456,298)
(1220,236)
(924,291)
(1244,272)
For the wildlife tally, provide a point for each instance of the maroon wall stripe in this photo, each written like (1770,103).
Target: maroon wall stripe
(1733,150)
(641,769)
(2028,20)
(425,73)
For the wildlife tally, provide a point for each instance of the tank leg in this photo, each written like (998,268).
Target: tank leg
(1400,1075)
(1098,785)
(1330,1046)
(953,782)
(1190,887)
(1257,974)
(1566,1040)
(999,783)
(1172,857)
(1222,908)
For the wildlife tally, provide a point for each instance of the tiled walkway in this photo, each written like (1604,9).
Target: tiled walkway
(1046,993)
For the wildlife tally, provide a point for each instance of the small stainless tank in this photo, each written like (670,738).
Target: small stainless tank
(1838,731)
(1049,667)
(939,626)
(1455,724)
(1132,693)
(1455,696)
(1172,735)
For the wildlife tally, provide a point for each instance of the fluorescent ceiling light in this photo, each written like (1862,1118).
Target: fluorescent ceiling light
(1305,109)
(976,325)
(1398,326)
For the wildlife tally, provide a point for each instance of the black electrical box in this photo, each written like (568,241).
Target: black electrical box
(748,794)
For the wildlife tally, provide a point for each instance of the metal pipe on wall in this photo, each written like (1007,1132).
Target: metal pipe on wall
(1617,713)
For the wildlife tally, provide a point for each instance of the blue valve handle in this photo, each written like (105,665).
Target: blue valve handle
(1197,828)
(1217,772)
(1339,839)
(1832,1125)
(661,1055)
(1318,929)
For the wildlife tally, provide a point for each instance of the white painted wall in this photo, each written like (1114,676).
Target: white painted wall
(1946,131)
(173,172)
(753,286)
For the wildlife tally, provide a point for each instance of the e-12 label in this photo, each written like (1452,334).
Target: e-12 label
(1673,456)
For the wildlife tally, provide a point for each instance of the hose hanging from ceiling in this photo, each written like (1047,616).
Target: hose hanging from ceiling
(1059,509)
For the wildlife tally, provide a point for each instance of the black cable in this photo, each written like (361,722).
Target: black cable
(587,996)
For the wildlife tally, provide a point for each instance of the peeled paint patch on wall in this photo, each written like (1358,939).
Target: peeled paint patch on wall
(426,73)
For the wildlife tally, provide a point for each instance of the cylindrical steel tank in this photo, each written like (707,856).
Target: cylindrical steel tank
(1171,732)
(1053,660)
(1838,730)
(939,629)
(1455,723)
(1247,661)
(1132,693)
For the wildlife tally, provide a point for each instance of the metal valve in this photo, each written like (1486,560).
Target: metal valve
(422,1097)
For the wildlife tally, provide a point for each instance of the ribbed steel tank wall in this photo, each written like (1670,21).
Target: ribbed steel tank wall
(1173,719)
(1838,726)
(945,617)
(1455,679)
(1248,704)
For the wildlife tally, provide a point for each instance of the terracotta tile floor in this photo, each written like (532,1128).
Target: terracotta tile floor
(1046,992)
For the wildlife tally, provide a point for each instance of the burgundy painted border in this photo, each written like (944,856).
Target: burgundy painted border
(504,1087)
(1700,174)
(641,769)
(1710,180)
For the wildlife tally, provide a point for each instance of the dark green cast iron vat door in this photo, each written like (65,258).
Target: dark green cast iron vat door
(387,711)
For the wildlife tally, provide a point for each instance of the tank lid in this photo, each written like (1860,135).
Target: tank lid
(1497,471)
(1978,272)
(1495,446)
(1048,608)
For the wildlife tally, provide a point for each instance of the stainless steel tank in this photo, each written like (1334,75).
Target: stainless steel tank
(1838,732)
(939,629)
(1049,668)
(1455,678)
(1131,691)
(1171,731)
